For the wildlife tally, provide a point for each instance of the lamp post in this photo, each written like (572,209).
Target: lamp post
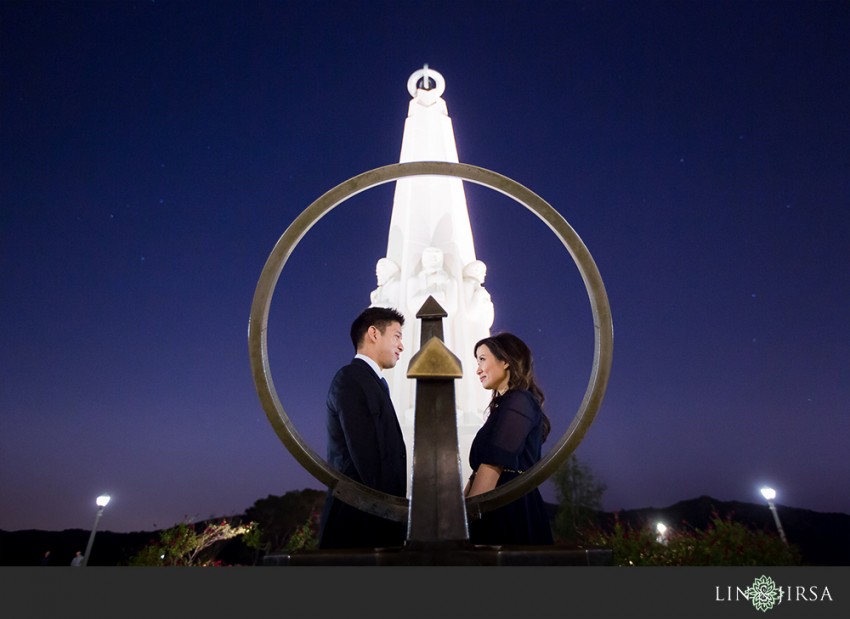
(101,501)
(661,528)
(769,494)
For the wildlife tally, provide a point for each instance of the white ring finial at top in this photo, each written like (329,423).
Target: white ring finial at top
(427,74)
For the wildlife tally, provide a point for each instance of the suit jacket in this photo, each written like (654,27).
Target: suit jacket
(365,443)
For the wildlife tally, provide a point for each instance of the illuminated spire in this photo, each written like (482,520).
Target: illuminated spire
(430,251)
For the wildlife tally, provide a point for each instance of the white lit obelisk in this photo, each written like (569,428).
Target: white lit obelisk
(430,252)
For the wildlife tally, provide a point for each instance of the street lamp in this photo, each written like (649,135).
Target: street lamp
(101,501)
(769,494)
(661,528)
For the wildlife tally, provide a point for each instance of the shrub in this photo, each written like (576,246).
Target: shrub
(723,542)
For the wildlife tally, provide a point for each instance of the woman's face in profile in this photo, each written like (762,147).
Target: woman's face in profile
(492,372)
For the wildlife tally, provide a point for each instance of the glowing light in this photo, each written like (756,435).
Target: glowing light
(662,529)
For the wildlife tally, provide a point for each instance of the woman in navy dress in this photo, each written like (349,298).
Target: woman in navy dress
(509,443)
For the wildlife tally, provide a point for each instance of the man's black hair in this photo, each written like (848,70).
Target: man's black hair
(378,317)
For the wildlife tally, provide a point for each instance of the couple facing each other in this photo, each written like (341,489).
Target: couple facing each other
(365,441)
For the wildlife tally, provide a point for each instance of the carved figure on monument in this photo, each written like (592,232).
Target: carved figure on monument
(387,292)
(479,305)
(474,319)
(433,281)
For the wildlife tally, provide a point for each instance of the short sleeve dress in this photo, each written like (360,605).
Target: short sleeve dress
(511,437)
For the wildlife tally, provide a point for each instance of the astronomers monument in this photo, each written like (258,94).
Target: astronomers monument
(430,252)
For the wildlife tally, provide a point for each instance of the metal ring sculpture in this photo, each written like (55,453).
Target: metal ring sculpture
(369,499)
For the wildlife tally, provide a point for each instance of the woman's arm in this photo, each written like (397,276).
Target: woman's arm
(483,480)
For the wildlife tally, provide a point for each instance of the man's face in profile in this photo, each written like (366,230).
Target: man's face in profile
(389,346)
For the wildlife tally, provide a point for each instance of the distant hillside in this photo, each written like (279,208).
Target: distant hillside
(823,538)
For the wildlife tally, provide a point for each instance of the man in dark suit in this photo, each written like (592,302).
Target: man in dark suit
(365,441)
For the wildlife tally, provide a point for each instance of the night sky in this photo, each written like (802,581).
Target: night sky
(154,152)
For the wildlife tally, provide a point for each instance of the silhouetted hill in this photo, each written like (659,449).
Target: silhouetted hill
(823,538)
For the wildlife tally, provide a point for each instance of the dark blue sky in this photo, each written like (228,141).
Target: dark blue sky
(152,153)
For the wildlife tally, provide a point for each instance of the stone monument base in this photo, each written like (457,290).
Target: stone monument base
(448,554)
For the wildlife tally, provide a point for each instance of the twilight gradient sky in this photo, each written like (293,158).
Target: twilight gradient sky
(152,153)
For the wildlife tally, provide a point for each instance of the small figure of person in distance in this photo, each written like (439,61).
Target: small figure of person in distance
(509,443)
(365,441)
(77,561)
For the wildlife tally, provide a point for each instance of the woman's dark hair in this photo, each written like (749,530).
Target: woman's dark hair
(512,350)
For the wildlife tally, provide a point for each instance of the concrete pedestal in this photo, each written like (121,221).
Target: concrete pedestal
(447,556)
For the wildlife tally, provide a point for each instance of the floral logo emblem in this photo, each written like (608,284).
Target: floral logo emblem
(763,593)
